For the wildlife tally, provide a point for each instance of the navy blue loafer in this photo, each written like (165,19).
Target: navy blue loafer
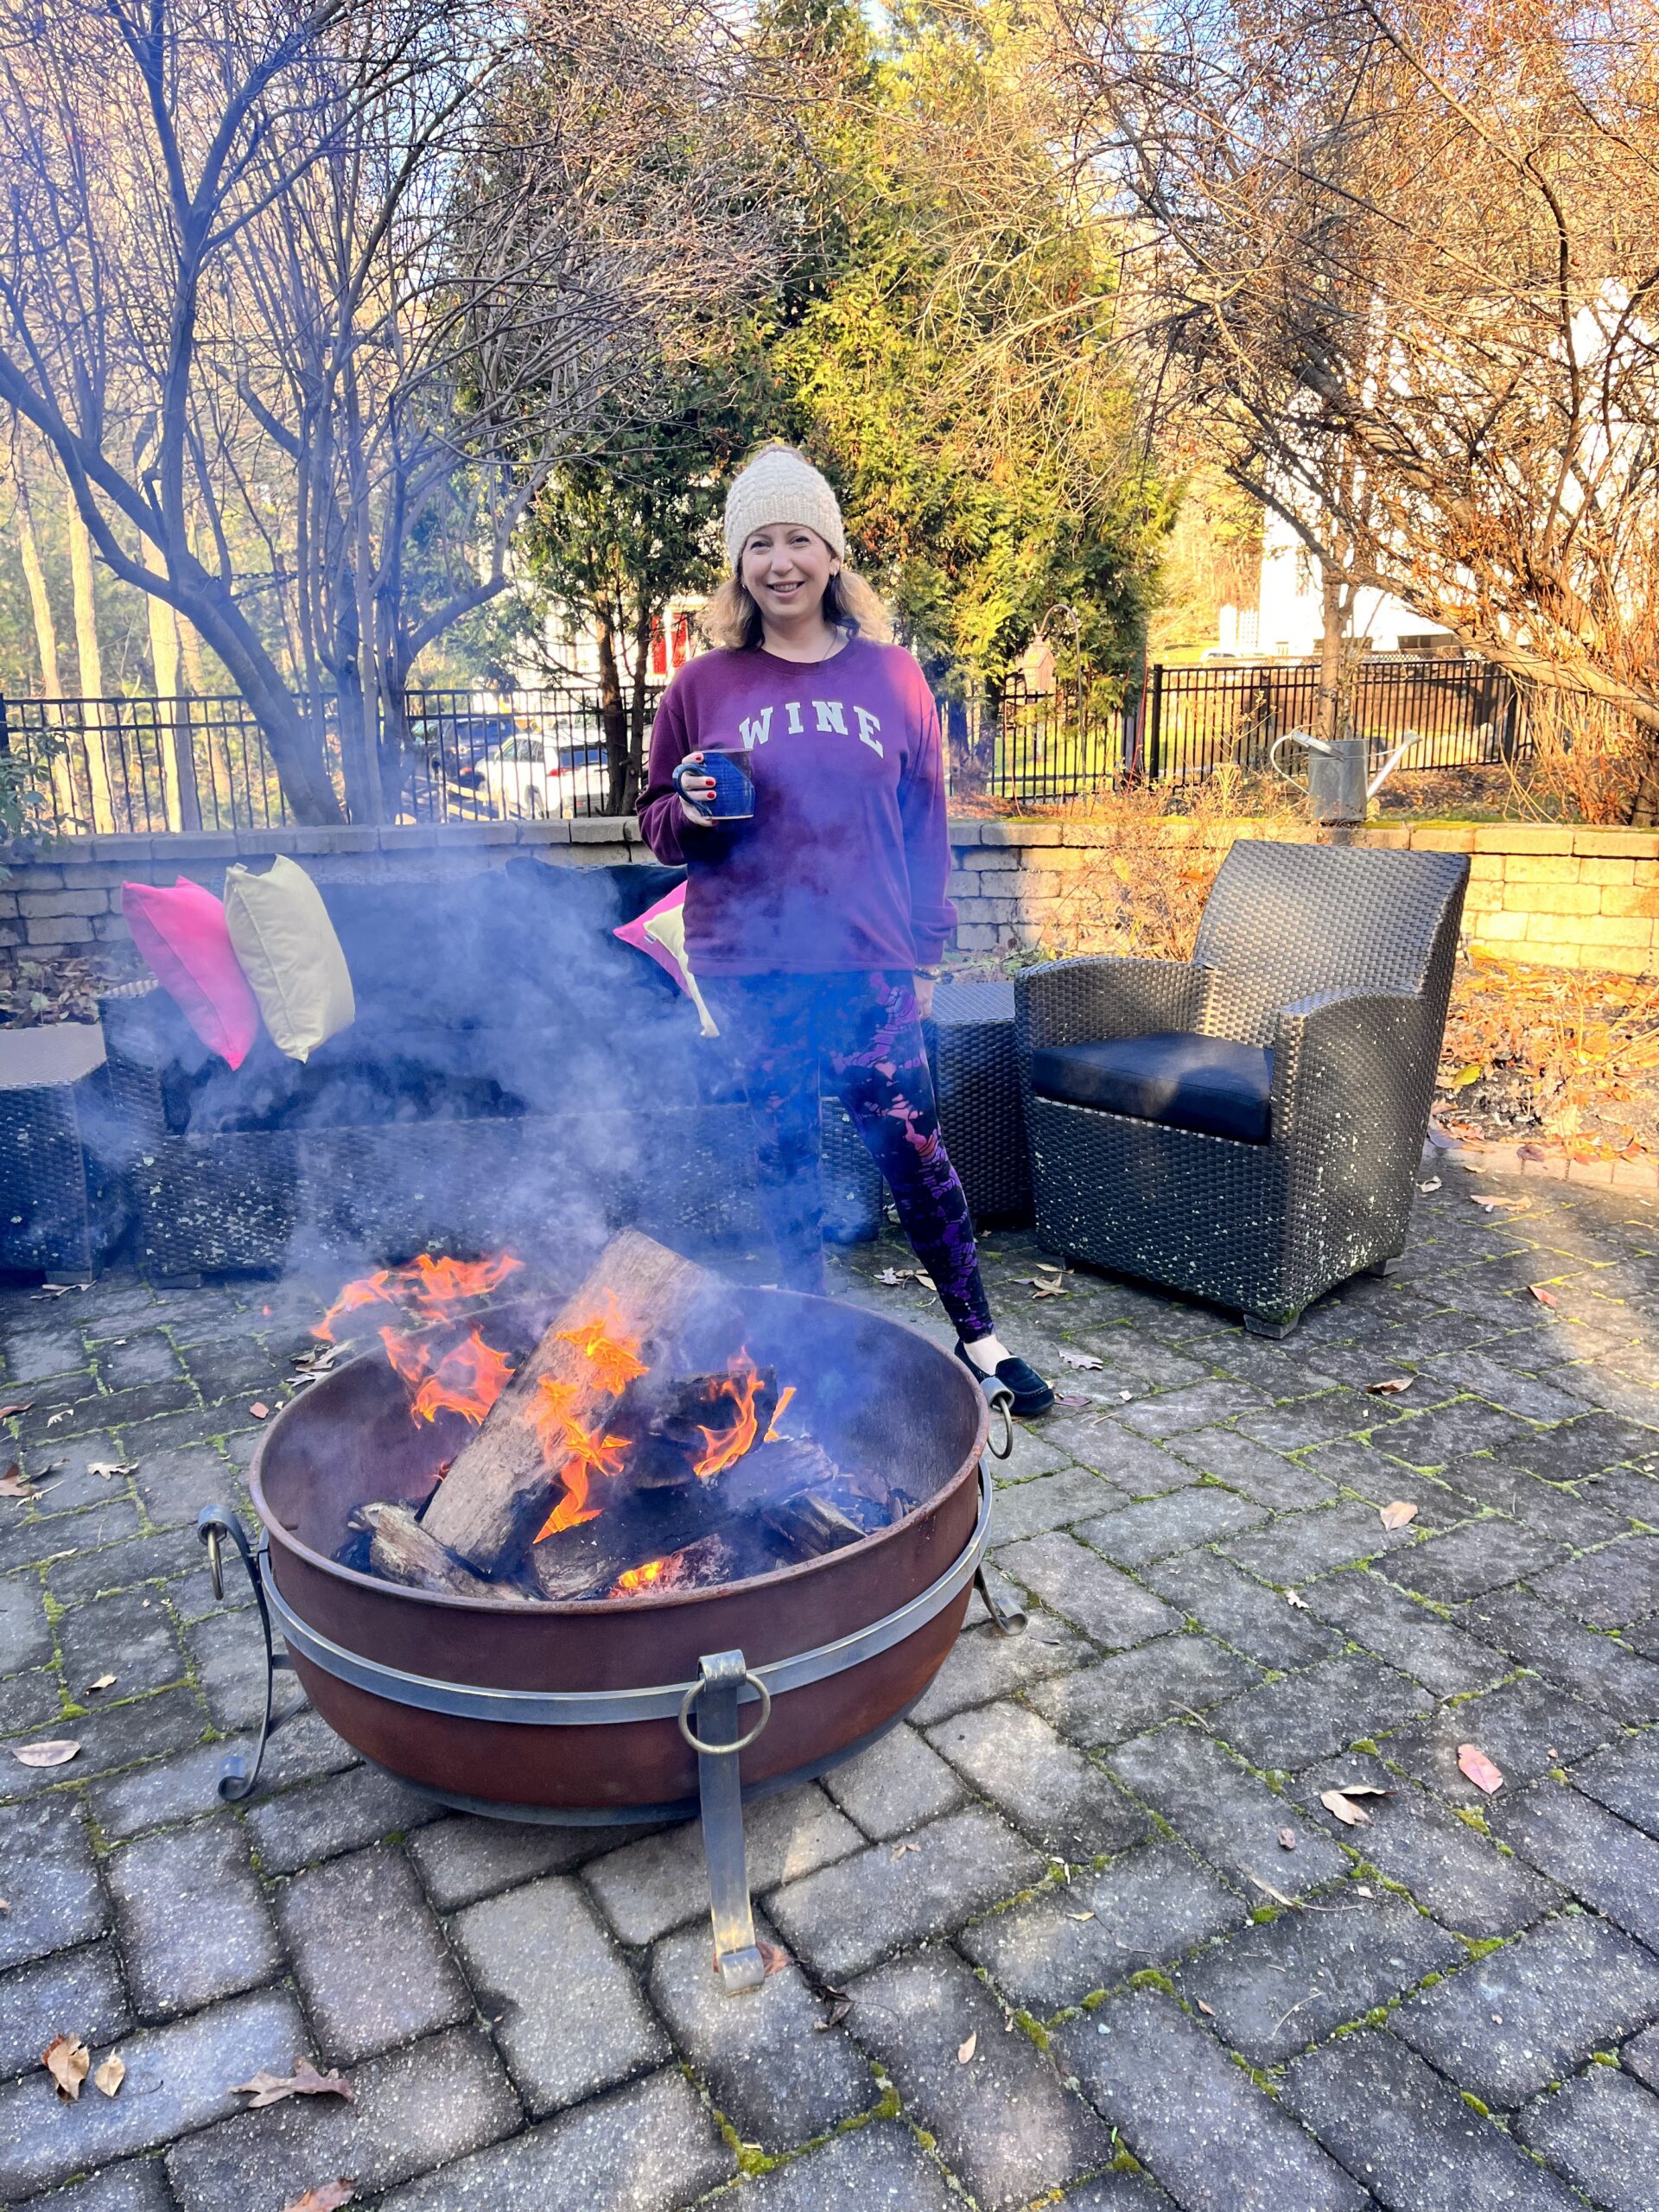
(1031,1396)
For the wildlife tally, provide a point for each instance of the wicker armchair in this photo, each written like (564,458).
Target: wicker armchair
(1310,1018)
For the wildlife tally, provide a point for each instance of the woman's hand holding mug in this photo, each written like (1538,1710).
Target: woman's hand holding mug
(696,790)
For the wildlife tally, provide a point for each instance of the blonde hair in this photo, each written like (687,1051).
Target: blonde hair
(731,617)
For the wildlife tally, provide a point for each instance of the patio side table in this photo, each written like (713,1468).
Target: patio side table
(971,1046)
(59,1209)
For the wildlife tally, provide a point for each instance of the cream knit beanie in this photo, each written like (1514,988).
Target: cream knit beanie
(781,486)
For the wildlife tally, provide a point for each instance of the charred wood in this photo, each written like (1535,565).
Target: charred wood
(400,1550)
(808,1525)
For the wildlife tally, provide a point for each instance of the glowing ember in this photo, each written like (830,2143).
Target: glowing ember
(778,1412)
(428,1289)
(468,1380)
(616,1357)
(576,1450)
(724,1447)
(641,1578)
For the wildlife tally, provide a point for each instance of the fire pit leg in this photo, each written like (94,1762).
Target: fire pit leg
(1012,1623)
(213,1524)
(717,1740)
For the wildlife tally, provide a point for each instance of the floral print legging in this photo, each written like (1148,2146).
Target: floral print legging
(861,1032)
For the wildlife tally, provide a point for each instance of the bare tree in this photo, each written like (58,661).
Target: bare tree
(1397,258)
(307,300)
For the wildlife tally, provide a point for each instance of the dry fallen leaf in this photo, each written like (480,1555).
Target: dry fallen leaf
(773,1957)
(1397,1513)
(1208,2011)
(1496,1205)
(1432,1184)
(1295,1598)
(329,2196)
(1474,1763)
(900,1849)
(304,2081)
(1544,1297)
(1082,1916)
(966,2050)
(1047,1282)
(1080,1359)
(52,1419)
(56,1752)
(1339,1802)
(18,1406)
(66,2059)
(12,1484)
(259,1411)
(106,1468)
(111,2073)
(1390,1386)
(1286,1838)
(104,1682)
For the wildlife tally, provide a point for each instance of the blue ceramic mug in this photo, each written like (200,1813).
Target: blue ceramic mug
(734,782)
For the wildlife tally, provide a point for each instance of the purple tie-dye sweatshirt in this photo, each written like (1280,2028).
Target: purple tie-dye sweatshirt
(845,864)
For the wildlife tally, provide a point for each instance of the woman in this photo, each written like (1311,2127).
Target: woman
(815,927)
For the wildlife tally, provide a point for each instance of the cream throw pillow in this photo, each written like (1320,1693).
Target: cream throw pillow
(666,927)
(290,955)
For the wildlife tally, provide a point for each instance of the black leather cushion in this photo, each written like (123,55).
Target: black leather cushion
(1186,1081)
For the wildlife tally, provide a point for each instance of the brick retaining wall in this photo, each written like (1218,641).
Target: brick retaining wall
(70,897)
(1560,896)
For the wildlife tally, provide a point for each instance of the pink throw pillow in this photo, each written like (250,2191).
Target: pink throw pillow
(184,935)
(634,933)
(659,933)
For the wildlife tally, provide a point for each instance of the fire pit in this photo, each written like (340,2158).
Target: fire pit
(655,1701)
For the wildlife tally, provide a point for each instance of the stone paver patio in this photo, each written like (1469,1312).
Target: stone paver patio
(1084,1966)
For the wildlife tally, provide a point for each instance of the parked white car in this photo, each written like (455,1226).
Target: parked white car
(527,775)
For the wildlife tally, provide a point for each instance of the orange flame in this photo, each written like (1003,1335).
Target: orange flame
(725,1447)
(428,1289)
(616,1357)
(777,1413)
(577,1452)
(468,1380)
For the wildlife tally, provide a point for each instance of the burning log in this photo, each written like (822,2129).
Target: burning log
(403,1551)
(683,1421)
(549,1429)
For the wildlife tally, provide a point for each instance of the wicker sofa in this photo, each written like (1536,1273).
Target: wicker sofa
(513,1072)
(1246,1127)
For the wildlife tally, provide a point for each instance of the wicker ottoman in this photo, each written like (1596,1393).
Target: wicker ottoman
(60,1211)
(970,1045)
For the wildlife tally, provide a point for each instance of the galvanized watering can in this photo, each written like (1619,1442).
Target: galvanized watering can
(1340,784)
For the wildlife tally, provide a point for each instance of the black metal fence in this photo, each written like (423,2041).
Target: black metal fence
(1186,723)
(147,765)
(139,765)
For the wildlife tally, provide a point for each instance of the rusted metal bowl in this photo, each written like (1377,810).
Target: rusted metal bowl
(457,1695)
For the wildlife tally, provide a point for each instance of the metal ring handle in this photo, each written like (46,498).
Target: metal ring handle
(725,1750)
(1001,1405)
(215,1562)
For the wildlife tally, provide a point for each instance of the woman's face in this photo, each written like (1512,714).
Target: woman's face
(785,568)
